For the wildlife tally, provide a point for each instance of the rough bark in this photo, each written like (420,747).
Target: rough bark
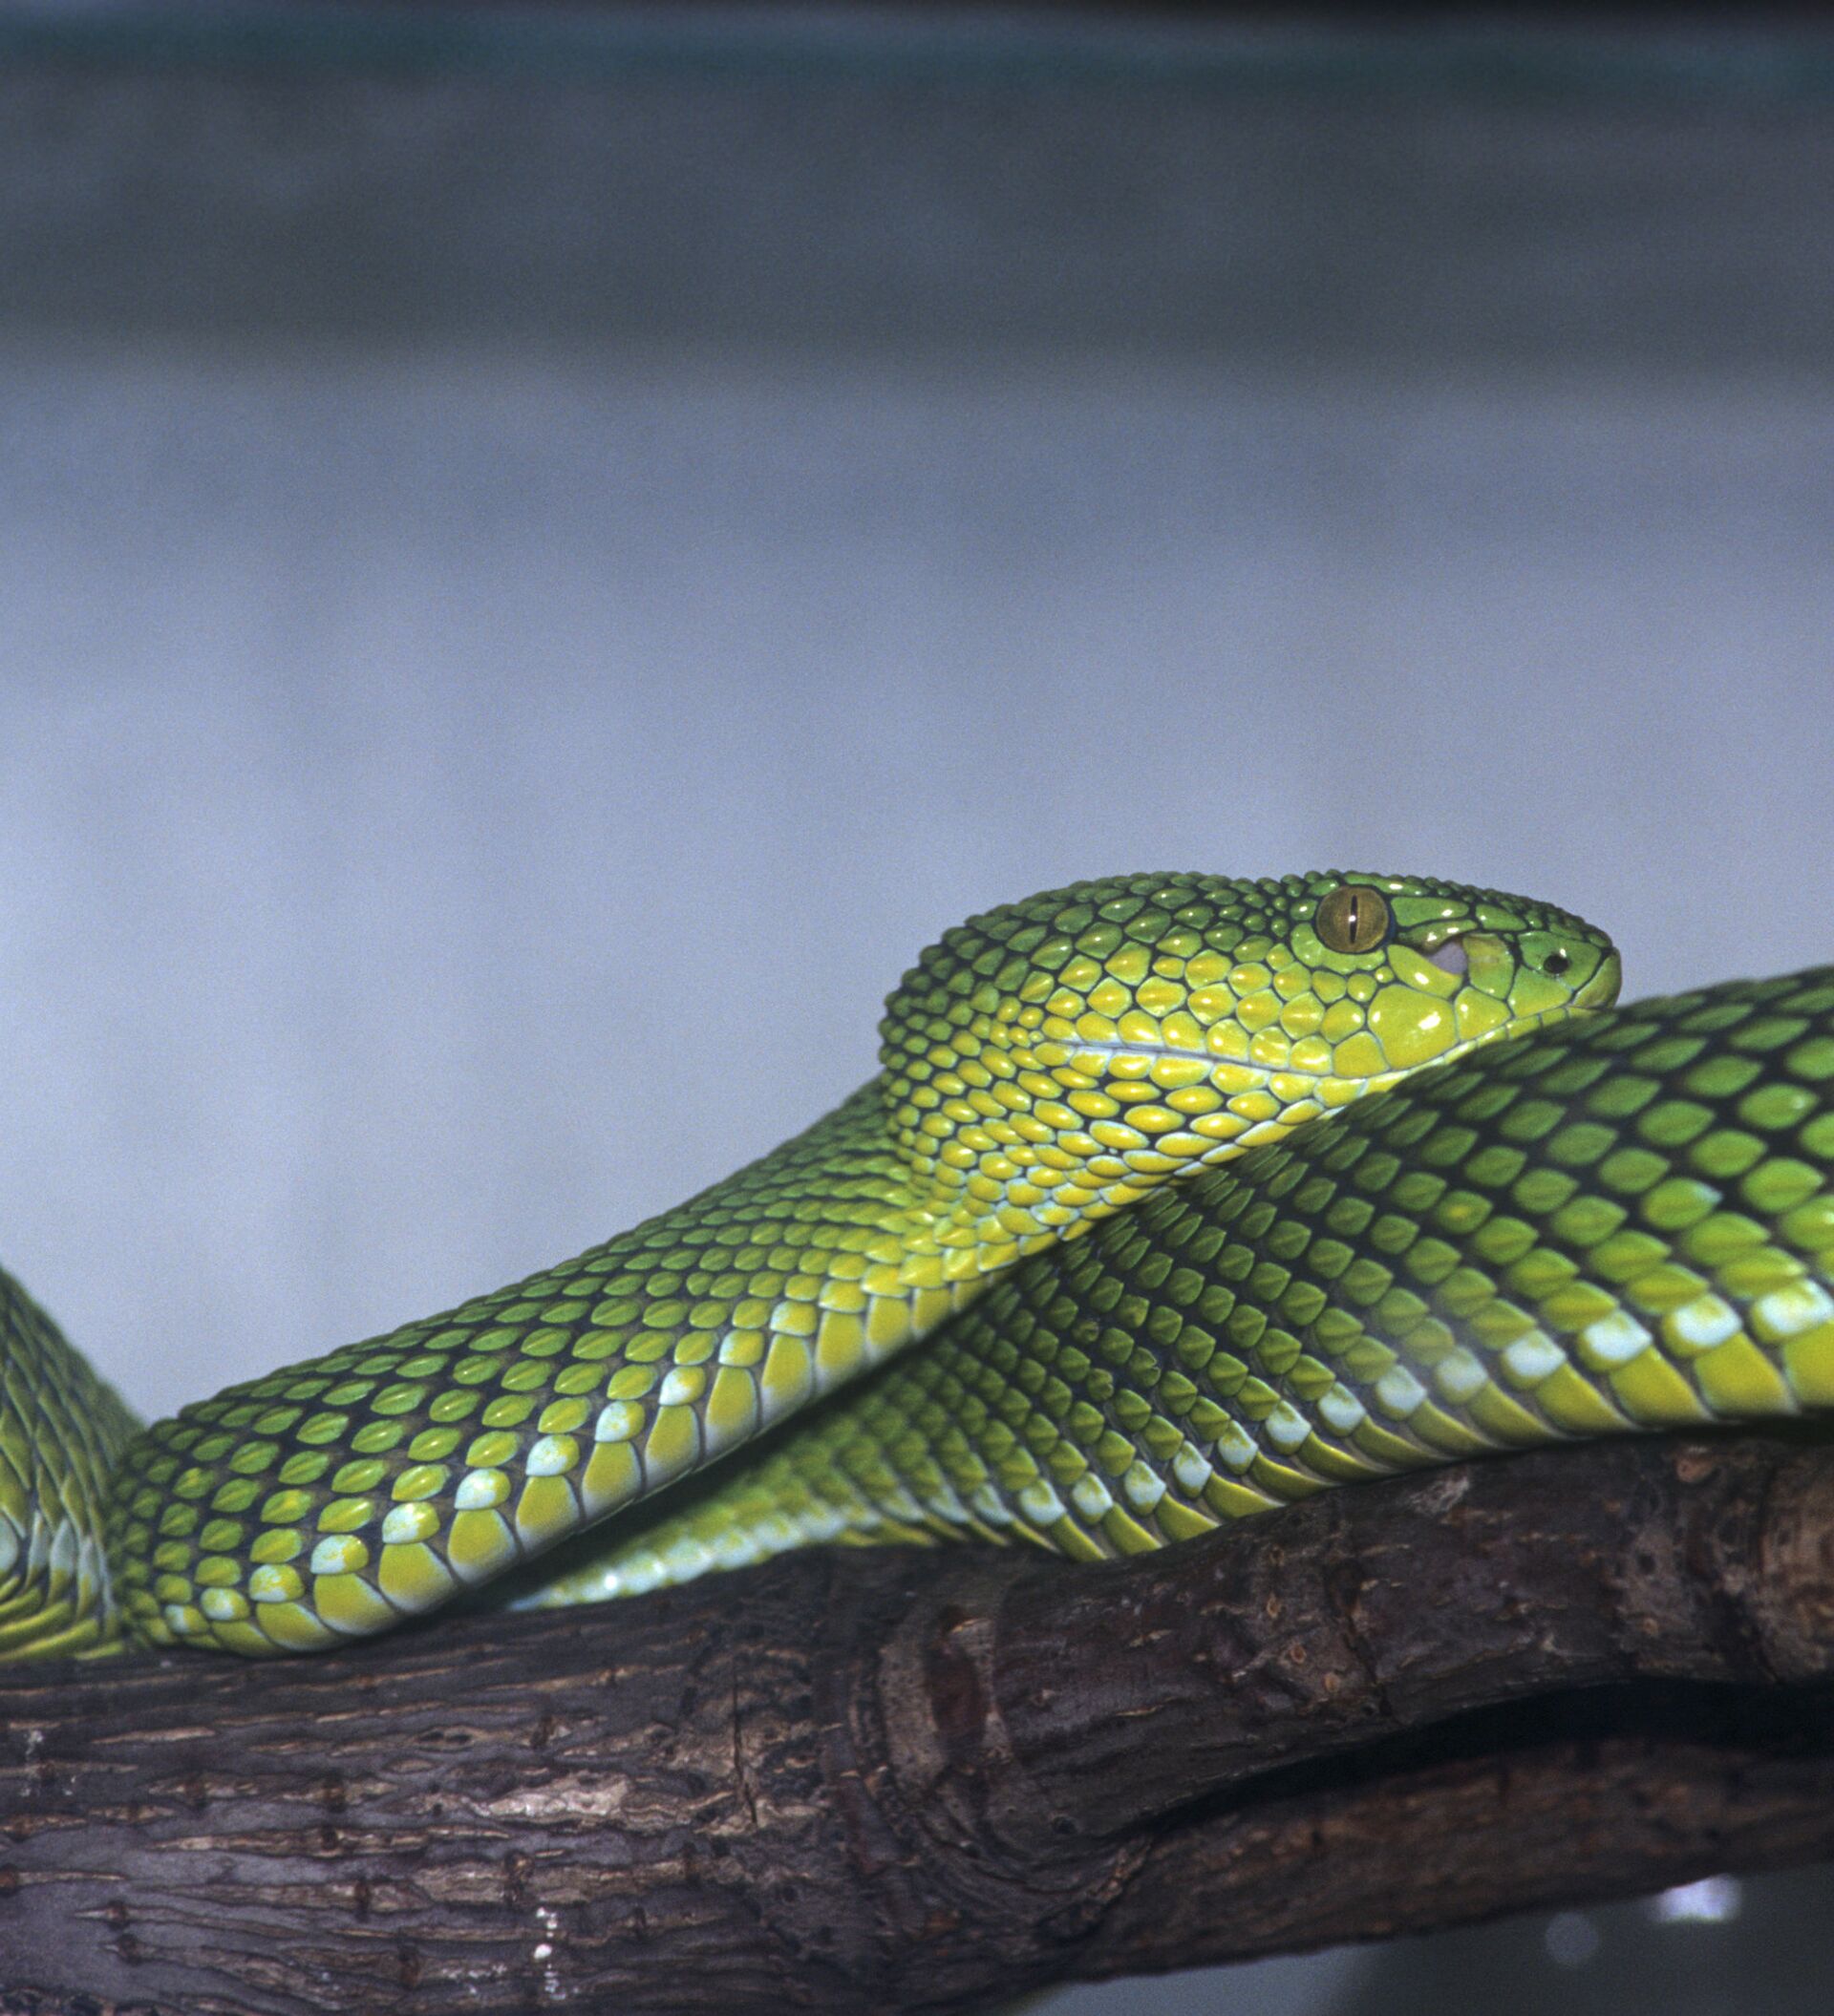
(917,1781)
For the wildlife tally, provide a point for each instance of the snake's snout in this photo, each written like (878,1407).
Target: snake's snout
(1601,990)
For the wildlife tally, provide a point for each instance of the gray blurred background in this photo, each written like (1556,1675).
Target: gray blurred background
(543,555)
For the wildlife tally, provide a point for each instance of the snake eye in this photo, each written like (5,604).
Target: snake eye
(1352,920)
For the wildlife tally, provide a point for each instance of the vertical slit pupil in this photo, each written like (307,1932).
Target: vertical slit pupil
(1353,920)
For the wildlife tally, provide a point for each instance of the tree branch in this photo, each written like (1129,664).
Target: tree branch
(905,1780)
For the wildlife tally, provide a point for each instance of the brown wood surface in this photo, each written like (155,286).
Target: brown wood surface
(897,1781)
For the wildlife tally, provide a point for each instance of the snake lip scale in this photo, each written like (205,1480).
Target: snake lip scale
(1112,1053)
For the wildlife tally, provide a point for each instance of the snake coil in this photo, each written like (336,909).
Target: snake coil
(1117,1168)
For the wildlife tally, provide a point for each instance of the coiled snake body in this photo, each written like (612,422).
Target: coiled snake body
(1626,1222)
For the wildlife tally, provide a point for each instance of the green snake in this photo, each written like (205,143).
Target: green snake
(1624,1221)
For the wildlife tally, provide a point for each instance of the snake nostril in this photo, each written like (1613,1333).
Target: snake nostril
(1451,957)
(1557,962)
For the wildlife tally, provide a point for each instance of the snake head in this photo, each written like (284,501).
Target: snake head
(1046,1062)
